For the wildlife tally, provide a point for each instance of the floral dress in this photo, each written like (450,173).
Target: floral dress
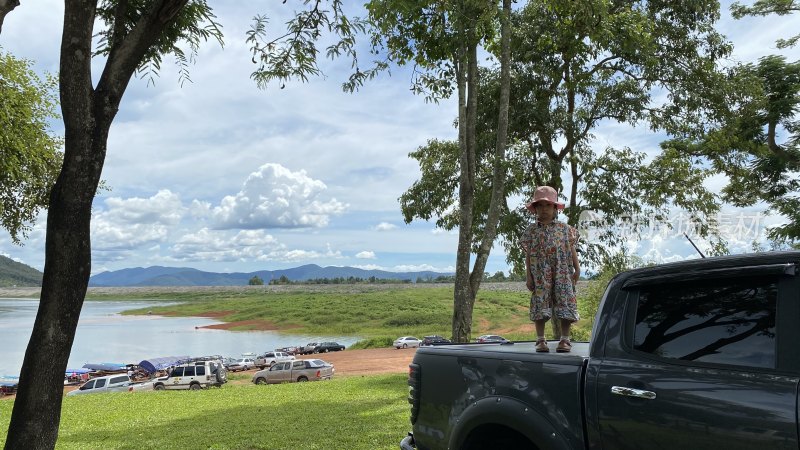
(550,249)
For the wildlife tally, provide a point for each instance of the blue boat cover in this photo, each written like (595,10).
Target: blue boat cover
(153,365)
(77,371)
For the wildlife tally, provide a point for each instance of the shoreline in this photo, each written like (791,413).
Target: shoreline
(34,291)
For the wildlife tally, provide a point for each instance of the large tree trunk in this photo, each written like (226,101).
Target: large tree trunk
(462,292)
(466,283)
(501,142)
(6,6)
(88,115)
(37,409)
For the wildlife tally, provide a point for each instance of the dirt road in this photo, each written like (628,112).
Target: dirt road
(371,361)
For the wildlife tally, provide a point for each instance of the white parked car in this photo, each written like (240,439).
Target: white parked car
(111,383)
(406,341)
(242,364)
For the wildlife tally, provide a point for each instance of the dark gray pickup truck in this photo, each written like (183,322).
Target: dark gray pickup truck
(693,355)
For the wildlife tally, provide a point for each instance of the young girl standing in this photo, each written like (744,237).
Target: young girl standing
(551,267)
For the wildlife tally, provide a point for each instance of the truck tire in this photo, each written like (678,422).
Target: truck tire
(158,387)
(405,345)
(302,379)
(194,387)
(261,380)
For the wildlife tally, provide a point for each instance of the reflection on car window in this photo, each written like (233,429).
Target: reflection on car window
(725,321)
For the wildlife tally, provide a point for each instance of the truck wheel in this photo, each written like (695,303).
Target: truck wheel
(260,380)
(194,387)
(159,387)
(302,379)
(405,345)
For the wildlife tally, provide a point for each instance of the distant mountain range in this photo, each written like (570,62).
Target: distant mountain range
(185,276)
(13,273)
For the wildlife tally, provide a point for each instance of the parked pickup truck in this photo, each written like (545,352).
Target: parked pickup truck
(691,355)
(290,371)
(269,358)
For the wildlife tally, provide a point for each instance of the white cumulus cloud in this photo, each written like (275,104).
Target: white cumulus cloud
(385,226)
(128,223)
(276,197)
(369,267)
(365,255)
(422,267)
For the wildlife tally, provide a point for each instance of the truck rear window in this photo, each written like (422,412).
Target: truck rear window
(723,321)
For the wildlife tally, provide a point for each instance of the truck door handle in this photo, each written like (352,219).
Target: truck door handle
(630,392)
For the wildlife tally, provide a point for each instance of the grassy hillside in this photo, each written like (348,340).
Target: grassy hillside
(13,273)
(378,316)
(354,413)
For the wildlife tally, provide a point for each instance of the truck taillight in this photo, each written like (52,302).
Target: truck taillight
(318,373)
(414,382)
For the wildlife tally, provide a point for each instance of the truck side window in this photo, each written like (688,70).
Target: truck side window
(100,383)
(722,321)
(188,371)
(177,372)
(201,370)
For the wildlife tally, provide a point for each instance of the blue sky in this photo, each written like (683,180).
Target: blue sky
(221,176)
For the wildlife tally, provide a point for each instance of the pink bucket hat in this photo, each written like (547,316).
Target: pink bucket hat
(544,194)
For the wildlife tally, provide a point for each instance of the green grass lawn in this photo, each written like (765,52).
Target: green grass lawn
(368,413)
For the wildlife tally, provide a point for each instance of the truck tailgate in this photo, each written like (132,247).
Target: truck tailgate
(499,382)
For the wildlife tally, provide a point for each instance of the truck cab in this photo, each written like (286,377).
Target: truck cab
(696,354)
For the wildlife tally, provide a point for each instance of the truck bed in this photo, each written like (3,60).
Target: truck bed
(580,350)
(503,382)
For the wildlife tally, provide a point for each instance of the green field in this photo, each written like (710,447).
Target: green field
(351,413)
(378,316)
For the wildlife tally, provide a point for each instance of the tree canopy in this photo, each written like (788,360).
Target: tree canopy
(578,66)
(30,152)
(755,141)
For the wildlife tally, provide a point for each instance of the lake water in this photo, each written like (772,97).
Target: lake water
(104,335)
